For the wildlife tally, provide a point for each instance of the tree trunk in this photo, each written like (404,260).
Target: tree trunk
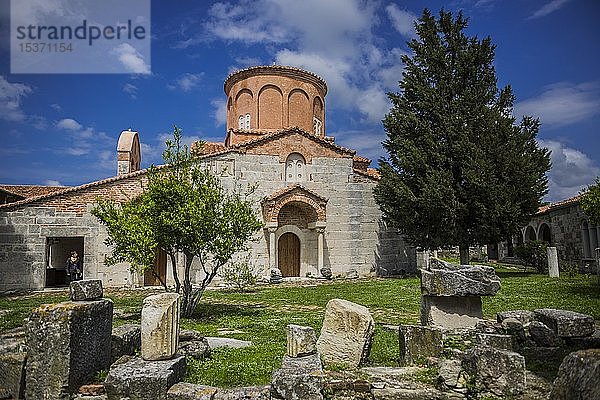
(464,254)
(187,306)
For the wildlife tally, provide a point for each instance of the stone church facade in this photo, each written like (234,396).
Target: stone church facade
(315,197)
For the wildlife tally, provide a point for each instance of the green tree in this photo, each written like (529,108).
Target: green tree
(460,172)
(186,210)
(590,202)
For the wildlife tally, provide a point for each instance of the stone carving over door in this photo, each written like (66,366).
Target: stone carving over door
(273,204)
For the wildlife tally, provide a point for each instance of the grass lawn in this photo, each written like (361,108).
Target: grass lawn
(262,315)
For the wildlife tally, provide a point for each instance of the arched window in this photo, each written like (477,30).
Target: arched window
(241,122)
(247,121)
(295,168)
(317,126)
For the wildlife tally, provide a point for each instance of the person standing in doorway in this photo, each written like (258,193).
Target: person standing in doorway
(74,270)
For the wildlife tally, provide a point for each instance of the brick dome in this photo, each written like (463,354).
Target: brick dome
(270,98)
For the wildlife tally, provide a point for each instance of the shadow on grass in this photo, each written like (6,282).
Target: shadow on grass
(515,274)
(213,311)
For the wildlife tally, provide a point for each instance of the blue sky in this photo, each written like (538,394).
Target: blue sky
(63,128)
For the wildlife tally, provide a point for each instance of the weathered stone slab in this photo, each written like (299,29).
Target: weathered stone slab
(301,341)
(566,323)
(244,393)
(578,376)
(524,316)
(216,342)
(160,326)
(197,349)
(451,312)
(68,343)
(190,391)
(137,379)
(459,280)
(502,342)
(299,378)
(449,373)
(89,289)
(542,335)
(125,341)
(419,342)
(346,333)
(12,375)
(500,372)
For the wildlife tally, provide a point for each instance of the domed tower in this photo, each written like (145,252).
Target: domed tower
(269,98)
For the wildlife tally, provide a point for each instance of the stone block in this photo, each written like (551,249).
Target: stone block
(578,376)
(301,341)
(451,312)
(299,378)
(160,326)
(500,372)
(346,333)
(419,342)
(244,393)
(524,316)
(125,341)
(138,379)
(502,342)
(68,343)
(12,375)
(89,289)
(449,373)
(216,342)
(542,335)
(566,323)
(190,391)
(196,348)
(459,280)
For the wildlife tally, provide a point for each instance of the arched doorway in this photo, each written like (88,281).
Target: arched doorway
(545,234)
(288,250)
(530,234)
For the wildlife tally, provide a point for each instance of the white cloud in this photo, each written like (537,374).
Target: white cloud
(186,82)
(52,182)
(572,170)
(220,111)
(402,20)
(131,59)
(56,107)
(332,38)
(69,124)
(131,90)
(548,8)
(11,95)
(562,104)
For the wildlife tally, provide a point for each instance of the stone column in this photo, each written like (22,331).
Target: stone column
(160,326)
(593,239)
(272,227)
(553,262)
(423,259)
(320,232)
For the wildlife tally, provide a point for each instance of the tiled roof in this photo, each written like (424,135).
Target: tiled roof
(31,190)
(283,132)
(292,188)
(361,159)
(371,173)
(559,204)
(206,147)
(274,68)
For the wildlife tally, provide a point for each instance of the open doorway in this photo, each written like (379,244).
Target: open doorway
(154,278)
(58,250)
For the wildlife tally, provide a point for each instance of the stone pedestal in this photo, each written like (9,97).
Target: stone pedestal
(553,262)
(68,343)
(452,312)
(138,379)
(160,326)
(346,333)
(301,341)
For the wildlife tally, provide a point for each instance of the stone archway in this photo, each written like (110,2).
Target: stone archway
(530,234)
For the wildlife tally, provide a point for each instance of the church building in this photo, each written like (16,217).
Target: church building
(315,196)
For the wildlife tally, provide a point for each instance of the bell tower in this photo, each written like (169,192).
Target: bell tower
(129,156)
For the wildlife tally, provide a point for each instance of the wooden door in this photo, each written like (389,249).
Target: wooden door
(160,267)
(289,255)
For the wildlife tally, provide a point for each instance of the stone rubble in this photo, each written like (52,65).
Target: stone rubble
(126,340)
(566,323)
(299,378)
(301,341)
(578,376)
(87,289)
(346,334)
(419,342)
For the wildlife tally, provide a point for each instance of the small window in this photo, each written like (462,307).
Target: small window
(247,121)
(294,168)
(317,126)
(241,122)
